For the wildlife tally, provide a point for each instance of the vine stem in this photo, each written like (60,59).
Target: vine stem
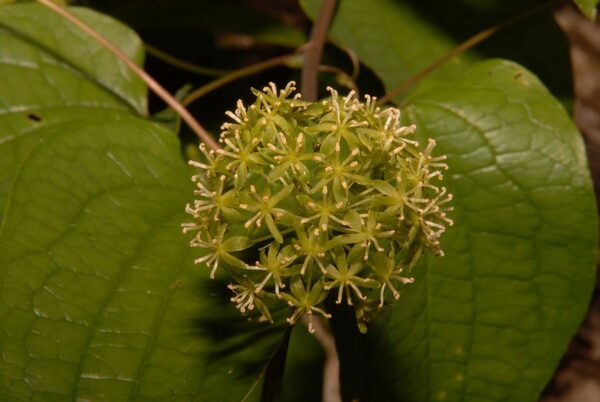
(257,68)
(461,48)
(350,82)
(151,82)
(236,74)
(182,64)
(314,51)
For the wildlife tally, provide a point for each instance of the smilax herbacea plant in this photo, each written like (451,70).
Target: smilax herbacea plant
(307,199)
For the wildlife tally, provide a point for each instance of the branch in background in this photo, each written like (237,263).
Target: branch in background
(182,64)
(151,82)
(314,51)
(348,80)
(354,60)
(461,48)
(237,74)
(312,61)
(285,60)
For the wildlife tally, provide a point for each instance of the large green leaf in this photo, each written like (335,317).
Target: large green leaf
(398,39)
(588,7)
(48,62)
(48,65)
(389,37)
(490,320)
(99,298)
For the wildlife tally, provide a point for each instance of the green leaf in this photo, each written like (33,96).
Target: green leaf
(389,37)
(47,62)
(303,376)
(99,296)
(100,299)
(588,7)
(490,320)
(398,39)
(52,75)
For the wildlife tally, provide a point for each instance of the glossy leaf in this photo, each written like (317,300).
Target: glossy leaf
(389,37)
(398,39)
(100,299)
(491,319)
(53,75)
(588,7)
(48,62)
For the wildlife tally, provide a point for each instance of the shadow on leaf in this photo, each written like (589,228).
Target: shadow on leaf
(241,340)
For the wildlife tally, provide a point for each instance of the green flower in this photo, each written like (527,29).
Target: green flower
(347,278)
(276,266)
(304,299)
(334,198)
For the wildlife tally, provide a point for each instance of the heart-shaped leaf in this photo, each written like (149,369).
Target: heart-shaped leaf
(48,62)
(99,297)
(490,320)
(398,39)
(390,37)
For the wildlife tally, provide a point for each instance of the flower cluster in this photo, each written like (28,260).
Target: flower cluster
(305,200)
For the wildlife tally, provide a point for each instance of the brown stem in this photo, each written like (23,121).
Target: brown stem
(314,51)
(461,48)
(151,82)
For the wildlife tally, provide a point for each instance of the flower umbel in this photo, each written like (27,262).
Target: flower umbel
(307,200)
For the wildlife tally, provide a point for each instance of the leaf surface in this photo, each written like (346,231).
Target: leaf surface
(49,62)
(390,37)
(398,39)
(588,7)
(99,297)
(491,319)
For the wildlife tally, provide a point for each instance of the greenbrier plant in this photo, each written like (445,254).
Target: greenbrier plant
(306,200)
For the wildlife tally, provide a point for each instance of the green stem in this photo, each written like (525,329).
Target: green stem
(284,60)
(182,64)
(235,75)
(269,237)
